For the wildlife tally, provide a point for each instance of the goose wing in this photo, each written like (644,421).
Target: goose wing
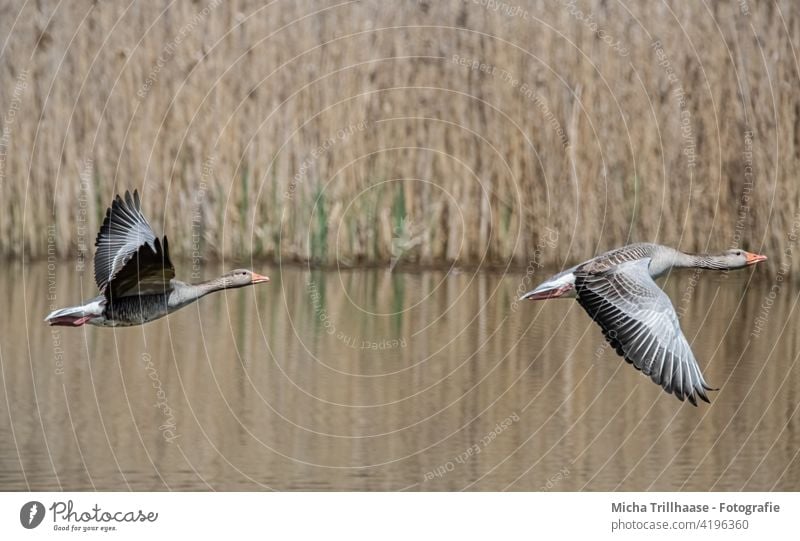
(130,259)
(638,320)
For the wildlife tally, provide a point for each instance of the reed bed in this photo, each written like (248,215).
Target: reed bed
(429,133)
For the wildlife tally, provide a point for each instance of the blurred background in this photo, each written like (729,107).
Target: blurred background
(320,131)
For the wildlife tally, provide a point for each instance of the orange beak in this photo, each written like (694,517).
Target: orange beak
(258,279)
(752,259)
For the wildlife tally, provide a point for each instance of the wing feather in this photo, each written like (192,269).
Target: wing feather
(130,259)
(638,320)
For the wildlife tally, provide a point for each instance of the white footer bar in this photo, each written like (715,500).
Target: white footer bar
(401,516)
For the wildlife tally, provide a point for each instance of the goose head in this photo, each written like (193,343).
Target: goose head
(241,278)
(737,259)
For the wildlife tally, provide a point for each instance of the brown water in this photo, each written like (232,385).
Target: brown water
(369,380)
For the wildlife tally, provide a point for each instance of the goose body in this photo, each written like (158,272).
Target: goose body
(618,291)
(135,276)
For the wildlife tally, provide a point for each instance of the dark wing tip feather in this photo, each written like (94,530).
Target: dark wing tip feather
(129,200)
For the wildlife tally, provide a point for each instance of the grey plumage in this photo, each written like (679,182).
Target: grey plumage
(618,291)
(638,320)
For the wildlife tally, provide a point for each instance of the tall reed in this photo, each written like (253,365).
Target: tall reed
(315,131)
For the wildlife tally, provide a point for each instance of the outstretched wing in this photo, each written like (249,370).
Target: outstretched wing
(130,260)
(638,320)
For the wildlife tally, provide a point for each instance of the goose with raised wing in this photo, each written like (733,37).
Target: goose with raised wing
(618,291)
(135,276)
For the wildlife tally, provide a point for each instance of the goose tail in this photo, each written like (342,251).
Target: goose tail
(560,285)
(75,316)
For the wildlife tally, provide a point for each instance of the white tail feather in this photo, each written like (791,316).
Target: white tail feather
(91,308)
(561,284)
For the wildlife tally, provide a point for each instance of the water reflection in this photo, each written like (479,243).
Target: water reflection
(368,380)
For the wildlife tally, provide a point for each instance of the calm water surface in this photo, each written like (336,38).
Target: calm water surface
(369,380)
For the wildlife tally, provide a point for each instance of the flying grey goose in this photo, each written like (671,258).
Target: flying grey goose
(135,276)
